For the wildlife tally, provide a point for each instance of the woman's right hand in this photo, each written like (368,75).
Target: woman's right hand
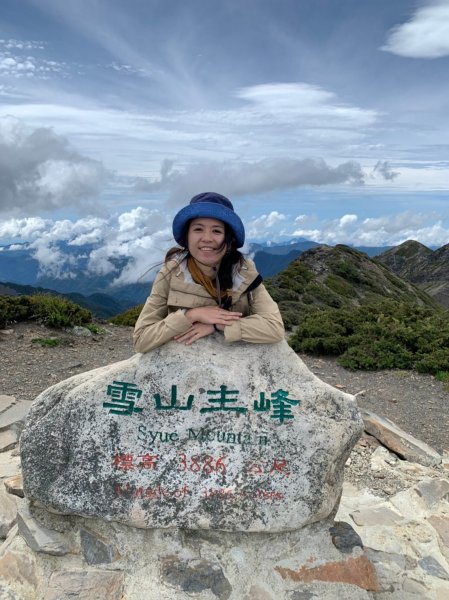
(212,315)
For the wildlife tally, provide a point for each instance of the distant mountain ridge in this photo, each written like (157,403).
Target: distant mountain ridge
(97,292)
(426,268)
(101,305)
(18,265)
(338,277)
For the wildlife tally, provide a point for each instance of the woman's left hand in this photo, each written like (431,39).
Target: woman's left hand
(197,331)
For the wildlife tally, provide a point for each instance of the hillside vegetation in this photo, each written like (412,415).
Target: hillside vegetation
(129,317)
(342,303)
(426,268)
(385,335)
(54,311)
(338,277)
(101,305)
(338,301)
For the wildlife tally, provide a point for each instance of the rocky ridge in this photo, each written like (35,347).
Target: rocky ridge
(426,268)
(338,277)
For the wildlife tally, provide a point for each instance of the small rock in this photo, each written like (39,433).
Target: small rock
(389,567)
(414,587)
(96,550)
(258,593)
(398,440)
(381,515)
(8,513)
(441,526)
(88,585)
(9,464)
(8,439)
(81,331)
(433,567)
(357,571)
(13,417)
(6,332)
(7,543)
(14,485)
(38,537)
(6,402)
(344,537)
(194,576)
(433,491)
(18,568)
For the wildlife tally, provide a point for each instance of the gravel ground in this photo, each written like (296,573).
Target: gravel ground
(417,403)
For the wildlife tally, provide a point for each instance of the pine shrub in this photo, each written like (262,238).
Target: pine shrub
(384,335)
(54,311)
(129,317)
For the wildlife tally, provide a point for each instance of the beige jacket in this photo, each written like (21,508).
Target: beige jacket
(173,289)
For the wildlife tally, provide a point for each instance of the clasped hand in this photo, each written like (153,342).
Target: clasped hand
(203,320)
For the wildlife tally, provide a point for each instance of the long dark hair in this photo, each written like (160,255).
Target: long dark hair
(231,258)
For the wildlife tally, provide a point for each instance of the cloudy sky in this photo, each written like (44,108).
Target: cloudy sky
(319,118)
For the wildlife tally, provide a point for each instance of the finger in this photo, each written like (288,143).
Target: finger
(196,336)
(226,320)
(181,335)
(184,336)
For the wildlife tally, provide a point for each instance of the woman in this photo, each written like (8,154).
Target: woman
(206,285)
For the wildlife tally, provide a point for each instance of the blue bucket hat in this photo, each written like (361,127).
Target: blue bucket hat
(212,206)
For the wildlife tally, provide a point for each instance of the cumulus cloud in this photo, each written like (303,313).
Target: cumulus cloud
(137,239)
(259,227)
(425,35)
(132,245)
(388,230)
(237,178)
(40,170)
(27,228)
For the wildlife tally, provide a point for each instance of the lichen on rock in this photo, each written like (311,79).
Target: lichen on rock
(238,437)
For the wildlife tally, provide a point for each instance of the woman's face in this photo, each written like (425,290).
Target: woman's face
(205,241)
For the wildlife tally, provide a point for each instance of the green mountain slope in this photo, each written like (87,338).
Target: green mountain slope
(428,269)
(338,277)
(102,306)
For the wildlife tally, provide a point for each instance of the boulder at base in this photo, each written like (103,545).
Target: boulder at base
(239,437)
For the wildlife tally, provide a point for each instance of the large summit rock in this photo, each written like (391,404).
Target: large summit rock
(238,437)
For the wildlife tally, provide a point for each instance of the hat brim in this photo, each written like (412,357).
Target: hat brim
(209,210)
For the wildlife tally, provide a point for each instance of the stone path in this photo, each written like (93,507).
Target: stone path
(404,529)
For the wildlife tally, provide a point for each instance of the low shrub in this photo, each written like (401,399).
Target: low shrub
(54,311)
(385,335)
(95,329)
(129,317)
(46,341)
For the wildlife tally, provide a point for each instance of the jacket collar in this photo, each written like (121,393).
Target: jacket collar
(241,277)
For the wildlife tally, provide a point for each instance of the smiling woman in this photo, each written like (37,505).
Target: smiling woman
(206,286)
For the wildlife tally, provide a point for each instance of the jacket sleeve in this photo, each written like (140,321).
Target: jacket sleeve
(263,326)
(155,326)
